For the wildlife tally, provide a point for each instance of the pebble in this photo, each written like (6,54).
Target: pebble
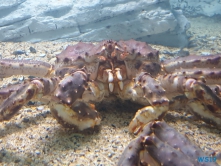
(40,108)
(25,120)
(20,58)
(17,160)
(37,152)
(38,103)
(14,79)
(18,125)
(31,103)
(31,77)
(183,53)
(204,36)
(205,53)
(28,59)
(44,114)
(113,146)
(42,55)
(110,155)
(32,49)
(212,38)
(167,52)
(18,52)
(21,78)
(192,43)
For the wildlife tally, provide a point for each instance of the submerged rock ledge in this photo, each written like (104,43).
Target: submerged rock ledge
(35,21)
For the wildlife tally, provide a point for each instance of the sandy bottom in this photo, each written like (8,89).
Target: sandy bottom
(33,136)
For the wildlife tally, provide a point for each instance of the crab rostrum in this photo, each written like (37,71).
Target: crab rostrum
(131,70)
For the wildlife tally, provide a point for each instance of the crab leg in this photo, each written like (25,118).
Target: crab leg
(197,108)
(204,112)
(10,67)
(210,76)
(34,89)
(135,153)
(6,92)
(165,142)
(191,62)
(155,94)
(160,144)
(69,108)
(194,89)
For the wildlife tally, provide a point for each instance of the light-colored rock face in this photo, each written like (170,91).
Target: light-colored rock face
(86,20)
(198,7)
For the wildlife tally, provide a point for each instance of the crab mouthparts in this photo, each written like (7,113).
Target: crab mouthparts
(114,76)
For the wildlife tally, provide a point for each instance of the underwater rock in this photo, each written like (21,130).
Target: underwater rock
(197,7)
(30,20)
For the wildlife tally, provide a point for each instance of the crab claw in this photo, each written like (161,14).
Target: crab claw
(69,111)
(79,116)
(71,87)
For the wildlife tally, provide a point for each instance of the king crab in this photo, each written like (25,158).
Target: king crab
(86,73)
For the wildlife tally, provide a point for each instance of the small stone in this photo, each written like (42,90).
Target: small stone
(18,125)
(38,103)
(31,77)
(27,110)
(17,160)
(183,53)
(110,155)
(31,103)
(40,108)
(167,52)
(27,59)
(28,159)
(37,152)
(18,52)
(32,49)
(25,120)
(14,79)
(205,53)
(203,36)
(212,38)
(21,78)
(42,55)
(113,146)
(44,114)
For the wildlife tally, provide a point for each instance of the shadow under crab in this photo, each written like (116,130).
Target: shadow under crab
(86,73)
